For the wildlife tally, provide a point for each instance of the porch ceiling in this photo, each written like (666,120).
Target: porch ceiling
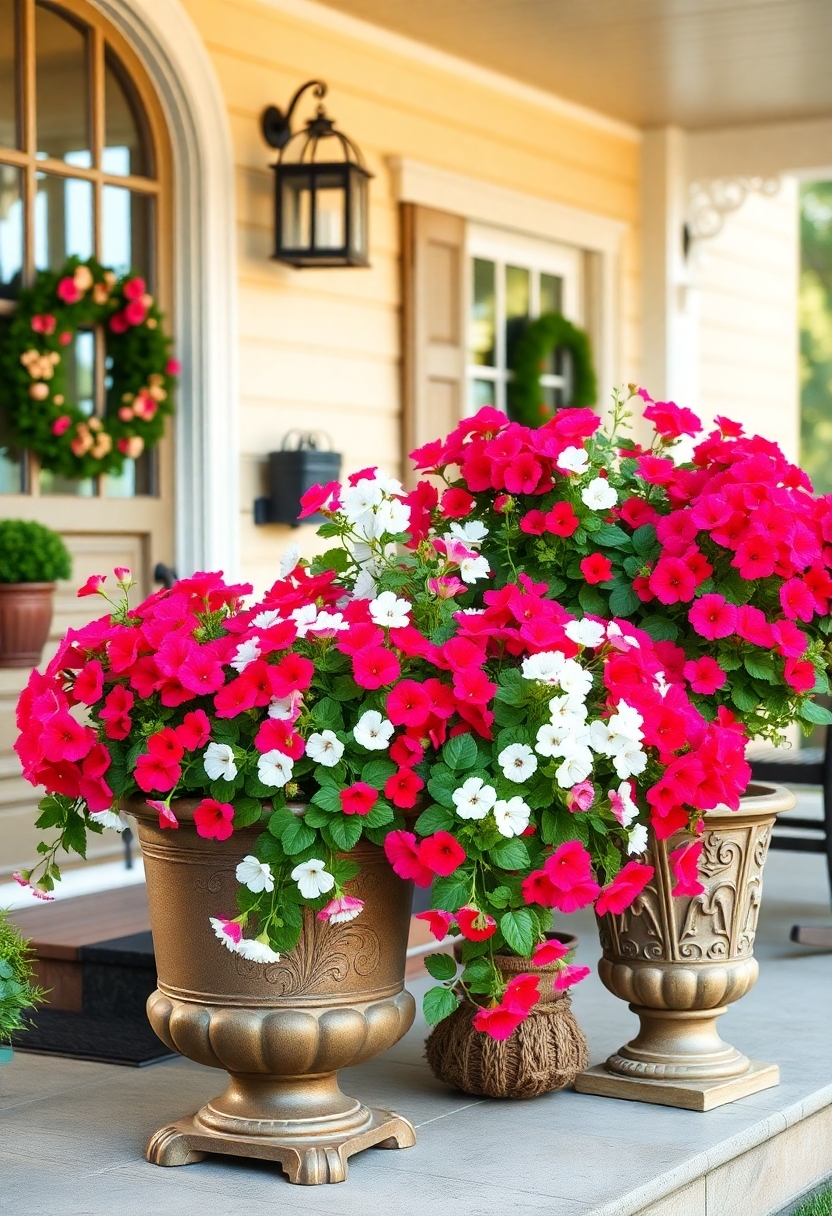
(695,63)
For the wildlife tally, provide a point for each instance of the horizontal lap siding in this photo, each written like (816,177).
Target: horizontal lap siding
(321,349)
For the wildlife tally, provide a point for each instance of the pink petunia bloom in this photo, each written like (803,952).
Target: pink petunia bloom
(705,675)
(497,1023)
(201,672)
(672,421)
(522,994)
(753,627)
(596,568)
(790,641)
(235,698)
(561,519)
(456,503)
(223,927)
(441,853)
(473,687)
(278,734)
(624,888)
(438,922)
(341,910)
(195,730)
(93,585)
(579,895)
(402,851)
(685,864)
(672,581)
(538,888)
(320,498)
(358,799)
(636,512)
(755,557)
(797,601)
(570,975)
(446,586)
(214,820)
(292,674)
(799,674)
(68,291)
(713,617)
(533,523)
(62,738)
(116,712)
(155,773)
(570,863)
(408,704)
(475,925)
(581,796)
(165,745)
(61,425)
(406,751)
(402,788)
(167,819)
(548,952)
(375,667)
(89,683)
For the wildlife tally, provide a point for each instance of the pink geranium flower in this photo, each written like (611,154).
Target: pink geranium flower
(408,704)
(561,519)
(358,799)
(596,568)
(402,788)
(375,667)
(713,617)
(214,820)
(441,853)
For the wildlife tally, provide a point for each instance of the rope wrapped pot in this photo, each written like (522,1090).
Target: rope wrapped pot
(545,1053)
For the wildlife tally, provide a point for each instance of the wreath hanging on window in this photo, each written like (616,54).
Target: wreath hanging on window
(141,375)
(527,360)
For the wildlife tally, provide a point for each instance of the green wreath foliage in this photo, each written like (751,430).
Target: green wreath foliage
(550,331)
(140,376)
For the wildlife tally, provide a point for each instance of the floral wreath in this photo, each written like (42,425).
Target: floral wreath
(550,331)
(141,373)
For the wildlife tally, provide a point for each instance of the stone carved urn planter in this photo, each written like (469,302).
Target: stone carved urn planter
(681,961)
(281,1030)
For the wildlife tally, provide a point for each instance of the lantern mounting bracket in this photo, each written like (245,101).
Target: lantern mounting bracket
(277,126)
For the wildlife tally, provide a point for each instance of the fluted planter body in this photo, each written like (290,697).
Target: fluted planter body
(681,961)
(281,1030)
(25,617)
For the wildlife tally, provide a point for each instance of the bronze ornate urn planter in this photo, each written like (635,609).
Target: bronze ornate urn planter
(281,1030)
(681,961)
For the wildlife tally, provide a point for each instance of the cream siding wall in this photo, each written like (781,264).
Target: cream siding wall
(321,348)
(748,331)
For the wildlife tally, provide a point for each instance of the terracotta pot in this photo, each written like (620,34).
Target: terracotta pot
(25,617)
(545,1053)
(681,961)
(280,1030)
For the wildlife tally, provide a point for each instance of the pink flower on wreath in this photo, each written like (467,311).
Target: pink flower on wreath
(61,425)
(118,323)
(68,291)
(173,367)
(135,312)
(685,864)
(43,323)
(341,910)
(134,288)
(213,820)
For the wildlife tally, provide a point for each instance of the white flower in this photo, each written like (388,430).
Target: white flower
(517,761)
(327,624)
(246,653)
(472,533)
(109,819)
(390,487)
(289,560)
(660,684)
(312,878)
(254,874)
(392,517)
(267,618)
(601,738)
(274,769)
(615,631)
(545,666)
(585,633)
(573,460)
(473,568)
(626,721)
(474,799)
(637,842)
(325,748)
(373,731)
(574,680)
(599,495)
(512,816)
(549,739)
(568,712)
(389,611)
(365,585)
(304,619)
(286,709)
(256,951)
(577,766)
(219,762)
(630,760)
(357,500)
(626,811)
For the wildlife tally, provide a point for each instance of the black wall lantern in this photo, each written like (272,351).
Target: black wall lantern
(302,462)
(321,189)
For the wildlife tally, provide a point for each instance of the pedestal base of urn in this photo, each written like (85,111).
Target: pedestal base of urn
(309,1156)
(689,1095)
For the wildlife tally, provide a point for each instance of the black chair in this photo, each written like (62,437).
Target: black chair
(797,834)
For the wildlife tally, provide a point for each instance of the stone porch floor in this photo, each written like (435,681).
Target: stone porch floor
(72,1133)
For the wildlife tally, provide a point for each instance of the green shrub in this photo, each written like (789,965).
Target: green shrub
(31,553)
(17,992)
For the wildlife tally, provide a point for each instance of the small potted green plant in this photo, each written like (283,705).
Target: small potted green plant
(32,557)
(17,993)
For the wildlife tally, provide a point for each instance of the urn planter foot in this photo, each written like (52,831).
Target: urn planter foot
(689,1095)
(312,1159)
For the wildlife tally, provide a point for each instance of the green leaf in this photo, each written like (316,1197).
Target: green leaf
(645,542)
(222,790)
(315,817)
(344,688)
(440,966)
(499,897)
(660,628)
(344,831)
(510,854)
(512,689)
(438,1003)
(448,894)
(612,536)
(509,715)
(442,785)
(52,812)
(343,870)
(460,752)
(375,772)
(280,820)
(810,711)
(744,699)
(328,798)
(434,819)
(284,937)
(518,930)
(623,600)
(255,788)
(761,667)
(246,811)
(328,715)
(379,815)
(591,601)
(297,836)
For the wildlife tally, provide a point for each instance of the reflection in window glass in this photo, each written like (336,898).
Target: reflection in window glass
(137,478)
(518,302)
(483,314)
(127,231)
(62,81)
(11,230)
(11,462)
(52,483)
(63,221)
(551,292)
(79,369)
(482,392)
(8,99)
(125,148)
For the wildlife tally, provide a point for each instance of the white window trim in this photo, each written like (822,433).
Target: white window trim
(205,277)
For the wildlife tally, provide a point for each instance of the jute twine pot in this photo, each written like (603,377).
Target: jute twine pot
(546,1052)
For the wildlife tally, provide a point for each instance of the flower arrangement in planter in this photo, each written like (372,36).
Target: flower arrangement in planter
(17,992)
(32,557)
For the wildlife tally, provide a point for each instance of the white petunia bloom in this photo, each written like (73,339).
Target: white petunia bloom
(313,878)
(219,762)
(286,709)
(574,680)
(585,633)
(474,799)
(637,842)
(289,560)
(304,619)
(599,495)
(389,611)
(267,618)
(325,748)
(512,816)
(109,819)
(517,761)
(274,769)
(327,624)
(471,533)
(567,712)
(573,460)
(390,486)
(392,517)
(471,569)
(254,874)
(256,951)
(601,738)
(629,759)
(615,631)
(627,810)
(576,767)
(545,666)
(246,653)
(357,500)
(627,721)
(365,585)
(373,731)
(549,739)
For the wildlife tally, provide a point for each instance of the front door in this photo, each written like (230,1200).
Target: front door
(84,170)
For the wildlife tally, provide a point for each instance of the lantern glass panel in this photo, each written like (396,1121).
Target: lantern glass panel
(330,211)
(358,213)
(296,212)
